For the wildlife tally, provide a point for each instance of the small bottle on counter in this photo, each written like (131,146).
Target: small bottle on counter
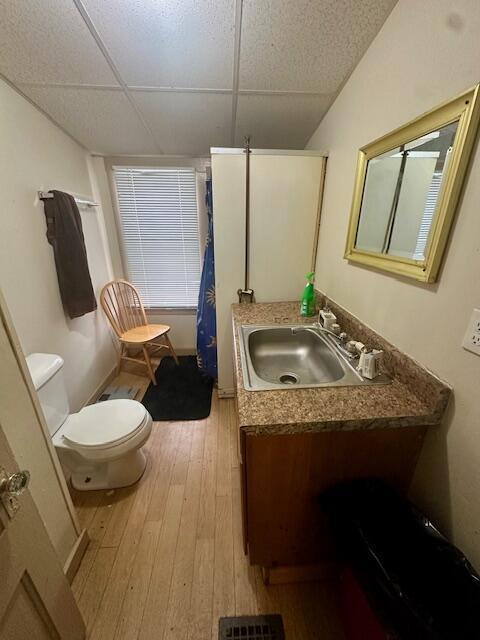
(307,307)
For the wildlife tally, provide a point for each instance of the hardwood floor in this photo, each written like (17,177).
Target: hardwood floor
(165,559)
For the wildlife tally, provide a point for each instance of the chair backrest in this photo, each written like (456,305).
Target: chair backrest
(122,306)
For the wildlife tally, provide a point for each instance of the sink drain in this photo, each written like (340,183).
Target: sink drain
(288,378)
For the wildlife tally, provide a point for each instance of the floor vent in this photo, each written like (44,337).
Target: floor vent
(119,393)
(251,628)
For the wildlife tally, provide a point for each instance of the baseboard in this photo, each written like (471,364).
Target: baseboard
(185,352)
(299,573)
(226,393)
(102,386)
(76,554)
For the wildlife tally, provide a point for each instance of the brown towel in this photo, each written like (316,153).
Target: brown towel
(65,234)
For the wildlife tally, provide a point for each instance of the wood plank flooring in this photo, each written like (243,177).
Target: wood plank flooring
(165,559)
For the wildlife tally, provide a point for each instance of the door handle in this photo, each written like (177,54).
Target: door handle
(12,486)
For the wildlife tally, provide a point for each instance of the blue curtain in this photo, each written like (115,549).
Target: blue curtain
(206,315)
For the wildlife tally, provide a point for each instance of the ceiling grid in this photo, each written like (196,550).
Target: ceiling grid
(91,27)
(138,77)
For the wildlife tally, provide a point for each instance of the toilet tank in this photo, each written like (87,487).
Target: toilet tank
(46,370)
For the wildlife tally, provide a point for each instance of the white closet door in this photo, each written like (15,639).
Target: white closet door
(228,183)
(284,193)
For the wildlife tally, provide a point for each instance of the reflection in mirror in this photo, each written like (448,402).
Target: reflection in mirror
(401,191)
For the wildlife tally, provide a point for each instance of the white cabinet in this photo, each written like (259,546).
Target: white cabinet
(285,187)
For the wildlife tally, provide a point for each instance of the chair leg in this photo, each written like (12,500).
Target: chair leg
(149,365)
(170,346)
(119,365)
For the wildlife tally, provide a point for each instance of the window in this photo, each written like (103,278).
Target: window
(158,213)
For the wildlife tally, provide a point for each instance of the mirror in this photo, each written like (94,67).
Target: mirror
(406,190)
(401,193)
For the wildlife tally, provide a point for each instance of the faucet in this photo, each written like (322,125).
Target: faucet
(341,337)
(348,348)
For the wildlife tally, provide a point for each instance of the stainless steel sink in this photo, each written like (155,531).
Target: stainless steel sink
(287,356)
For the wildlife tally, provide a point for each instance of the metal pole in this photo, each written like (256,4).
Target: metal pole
(247,211)
(393,211)
(246,295)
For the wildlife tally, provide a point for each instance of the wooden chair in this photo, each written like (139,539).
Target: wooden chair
(124,309)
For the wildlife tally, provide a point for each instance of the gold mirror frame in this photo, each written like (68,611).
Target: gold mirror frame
(466,110)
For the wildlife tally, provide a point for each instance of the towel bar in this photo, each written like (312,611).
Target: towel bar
(46,195)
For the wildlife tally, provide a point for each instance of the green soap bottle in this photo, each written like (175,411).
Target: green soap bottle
(307,308)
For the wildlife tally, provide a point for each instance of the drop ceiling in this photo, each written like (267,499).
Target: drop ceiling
(176,77)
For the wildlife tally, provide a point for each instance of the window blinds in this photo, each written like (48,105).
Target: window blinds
(158,212)
(428,214)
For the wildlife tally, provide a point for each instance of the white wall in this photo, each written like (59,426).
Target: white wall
(183,333)
(426,53)
(35,154)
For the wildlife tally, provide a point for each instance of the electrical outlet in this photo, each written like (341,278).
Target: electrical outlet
(471,341)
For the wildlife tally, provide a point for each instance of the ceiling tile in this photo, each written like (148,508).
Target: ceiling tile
(306,45)
(102,120)
(279,122)
(168,43)
(187,123)
(46,41)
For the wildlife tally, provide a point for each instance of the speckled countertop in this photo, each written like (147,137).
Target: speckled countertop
(415,397)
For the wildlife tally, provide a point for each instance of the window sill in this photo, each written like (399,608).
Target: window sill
(171,311)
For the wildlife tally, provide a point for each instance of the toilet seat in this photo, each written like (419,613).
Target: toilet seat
(104,425)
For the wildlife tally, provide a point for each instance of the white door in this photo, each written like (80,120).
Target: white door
(285,190)
(36,601)
(284,200)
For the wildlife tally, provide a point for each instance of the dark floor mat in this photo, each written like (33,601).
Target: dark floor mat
(182,391)
(268,627)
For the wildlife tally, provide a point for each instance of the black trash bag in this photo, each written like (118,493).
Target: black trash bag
(420,585)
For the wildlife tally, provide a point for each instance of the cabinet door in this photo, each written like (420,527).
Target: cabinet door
(243,486)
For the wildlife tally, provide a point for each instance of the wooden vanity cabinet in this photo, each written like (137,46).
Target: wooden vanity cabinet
(283,475)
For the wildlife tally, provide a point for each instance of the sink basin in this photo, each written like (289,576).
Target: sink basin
(288,356)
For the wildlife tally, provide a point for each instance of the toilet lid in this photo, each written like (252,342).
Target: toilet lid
(104,423)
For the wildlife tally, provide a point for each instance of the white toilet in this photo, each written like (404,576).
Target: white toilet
(101,444)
